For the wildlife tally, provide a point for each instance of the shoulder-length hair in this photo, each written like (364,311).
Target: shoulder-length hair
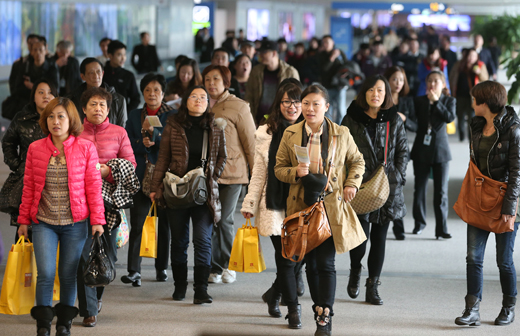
(224,72)
(369,83)
(275,114)
(182,115)
(391,71)
(176,85)
(75,125)
(445,91)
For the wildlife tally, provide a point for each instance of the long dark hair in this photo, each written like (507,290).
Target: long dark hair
(182,116)
(275,114)
(463,67)
(176,85)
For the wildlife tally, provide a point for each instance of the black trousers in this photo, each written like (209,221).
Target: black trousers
(321,274)
(285,281)
(376,256)
(138,215)
(464,112)
(440,194)
(88,296)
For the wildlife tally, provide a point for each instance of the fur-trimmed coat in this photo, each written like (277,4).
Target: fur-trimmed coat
(269,222)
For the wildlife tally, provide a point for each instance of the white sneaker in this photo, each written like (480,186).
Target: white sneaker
(215,278)
(229,276)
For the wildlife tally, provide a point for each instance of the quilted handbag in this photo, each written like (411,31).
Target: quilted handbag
(373,194)
(99,270)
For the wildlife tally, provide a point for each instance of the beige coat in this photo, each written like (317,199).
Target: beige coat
(240,140)
(346,229)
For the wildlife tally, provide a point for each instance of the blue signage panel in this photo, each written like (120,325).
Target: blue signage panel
(341,31)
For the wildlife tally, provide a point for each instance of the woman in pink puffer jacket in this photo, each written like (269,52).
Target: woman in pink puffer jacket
(62,189)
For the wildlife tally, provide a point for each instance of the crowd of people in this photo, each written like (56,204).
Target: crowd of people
(81,150)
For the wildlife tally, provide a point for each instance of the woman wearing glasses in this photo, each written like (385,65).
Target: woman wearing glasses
(240,147)
(181,151)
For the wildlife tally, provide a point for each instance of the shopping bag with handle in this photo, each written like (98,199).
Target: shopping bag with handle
(19,284)
(236,260)
(253,256)
(149,235)
(123,232)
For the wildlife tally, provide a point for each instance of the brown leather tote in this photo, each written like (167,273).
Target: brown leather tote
(480,202)
(305,230)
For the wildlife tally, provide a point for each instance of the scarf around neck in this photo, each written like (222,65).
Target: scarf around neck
(314,148)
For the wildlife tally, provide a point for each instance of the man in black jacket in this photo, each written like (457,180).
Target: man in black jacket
(446,53)
(146,54)
(121,79)
(92,73)
(68,67)
(485,56)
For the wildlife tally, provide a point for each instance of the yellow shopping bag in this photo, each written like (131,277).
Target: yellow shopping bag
(236,260)
(19,285)
(253,256)
(149,235)
(451,128)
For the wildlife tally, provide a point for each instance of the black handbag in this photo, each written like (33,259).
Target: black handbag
(99,270)
(191,189)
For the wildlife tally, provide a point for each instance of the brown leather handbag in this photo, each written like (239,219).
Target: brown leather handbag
(305,230)
(480,202)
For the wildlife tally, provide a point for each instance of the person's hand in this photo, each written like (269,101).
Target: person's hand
(97,228)
(152,196)
(61,61)
(402,116)
(432,96)
(147,143)
(247,215)
(335,54)
(349,193)
(104,170)
(302,169)
(505,218)
(23,231)
(27,82)
(147,126)
(476,70)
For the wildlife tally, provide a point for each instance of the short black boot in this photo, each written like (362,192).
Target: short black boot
(300,284)
(200,284)
(507,314)
(470,315)
(43,316)
(353,282)
(294,316)
(65,316)
(323,322)
(180,281)
(372,294)
(272,298)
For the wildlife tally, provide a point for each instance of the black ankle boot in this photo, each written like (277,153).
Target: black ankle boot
(180,281)
(323,322)
(372,294)
(507,314)
(470,315)
(294,316)
(65,316)
(43,316)
(353,282)
(200,284)
(272,298)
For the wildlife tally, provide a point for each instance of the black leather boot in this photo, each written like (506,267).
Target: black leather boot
(65,316)
(353,282)
(294,316)
(470,315)
(300,284)
(272,298)
(507,314)
(180,281)
(43,316)
(323,322)
(200,284)
(372,294)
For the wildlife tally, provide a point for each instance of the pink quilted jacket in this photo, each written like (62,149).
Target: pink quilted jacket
(84,180)
(111,142)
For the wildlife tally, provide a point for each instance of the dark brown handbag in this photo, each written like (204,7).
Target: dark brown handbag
(305,230)
(480,202)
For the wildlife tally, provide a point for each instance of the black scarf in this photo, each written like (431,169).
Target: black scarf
(278,191)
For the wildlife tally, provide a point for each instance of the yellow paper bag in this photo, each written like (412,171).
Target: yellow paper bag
(149,235)
(451,128)
(253,257)
(236,260)
(19,285)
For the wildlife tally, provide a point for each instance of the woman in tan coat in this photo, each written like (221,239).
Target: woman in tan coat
(346,229)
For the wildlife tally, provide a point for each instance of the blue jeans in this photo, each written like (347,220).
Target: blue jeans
(45,241)
(505,242)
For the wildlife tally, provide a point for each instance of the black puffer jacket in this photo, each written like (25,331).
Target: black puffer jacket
(504,157)
(397,156)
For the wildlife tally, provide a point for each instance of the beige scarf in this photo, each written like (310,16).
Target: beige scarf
(314,147)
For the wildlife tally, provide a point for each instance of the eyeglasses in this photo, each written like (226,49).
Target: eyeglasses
(288,103)
(196,98)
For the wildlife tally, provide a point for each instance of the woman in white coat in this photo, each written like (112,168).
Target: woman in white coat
(270,211)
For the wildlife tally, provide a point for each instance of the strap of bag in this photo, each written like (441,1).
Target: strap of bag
(204,149)
(386,143)
(331,162)
(154,208)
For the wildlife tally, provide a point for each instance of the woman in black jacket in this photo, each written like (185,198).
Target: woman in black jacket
(431,152)
(371,118)
(495,149)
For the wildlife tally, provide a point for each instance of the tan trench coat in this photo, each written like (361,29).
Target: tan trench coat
(346,229)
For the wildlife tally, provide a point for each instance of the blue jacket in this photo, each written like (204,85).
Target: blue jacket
(422,72)
(133,127)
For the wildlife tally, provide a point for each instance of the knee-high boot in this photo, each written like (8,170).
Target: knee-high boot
(180,281)
(200,285)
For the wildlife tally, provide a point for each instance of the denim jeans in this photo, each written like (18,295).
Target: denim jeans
(45,241)
(505,243)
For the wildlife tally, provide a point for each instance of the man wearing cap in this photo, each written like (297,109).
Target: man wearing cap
(248,48)
(264,79)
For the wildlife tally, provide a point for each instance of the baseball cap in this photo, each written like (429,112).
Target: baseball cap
(268,46)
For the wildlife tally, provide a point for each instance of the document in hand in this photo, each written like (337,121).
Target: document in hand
(302,154)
